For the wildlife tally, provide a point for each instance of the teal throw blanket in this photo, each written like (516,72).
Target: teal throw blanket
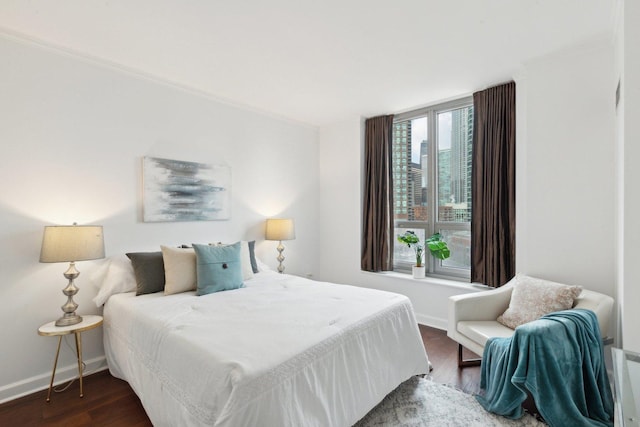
(557,359)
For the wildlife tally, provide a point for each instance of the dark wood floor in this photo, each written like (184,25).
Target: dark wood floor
(109,401)
(443,355)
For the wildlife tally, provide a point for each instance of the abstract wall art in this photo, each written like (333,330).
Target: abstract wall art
(175,190)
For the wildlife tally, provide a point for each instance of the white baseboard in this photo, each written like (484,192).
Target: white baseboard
(434,322)
(41,382)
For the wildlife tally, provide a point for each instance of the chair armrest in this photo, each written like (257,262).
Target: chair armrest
(600,304)
(487,305)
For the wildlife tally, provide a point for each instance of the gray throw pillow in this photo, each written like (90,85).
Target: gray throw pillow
(148,268)
(252,256)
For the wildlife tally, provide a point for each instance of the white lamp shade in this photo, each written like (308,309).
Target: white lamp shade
(67,243)
(280,229)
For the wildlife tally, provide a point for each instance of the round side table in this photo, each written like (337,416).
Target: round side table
(50,329)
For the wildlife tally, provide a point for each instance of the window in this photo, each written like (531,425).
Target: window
(432,183)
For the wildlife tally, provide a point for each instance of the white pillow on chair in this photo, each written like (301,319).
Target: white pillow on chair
(532,298)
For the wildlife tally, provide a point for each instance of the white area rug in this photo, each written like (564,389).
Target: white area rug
(420,402)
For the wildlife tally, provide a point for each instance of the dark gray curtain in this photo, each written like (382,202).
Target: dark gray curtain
(493,186)
(377,212)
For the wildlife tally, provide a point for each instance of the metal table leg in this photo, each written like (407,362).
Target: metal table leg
(55,364)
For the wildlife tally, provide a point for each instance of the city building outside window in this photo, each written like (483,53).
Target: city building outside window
(432,183)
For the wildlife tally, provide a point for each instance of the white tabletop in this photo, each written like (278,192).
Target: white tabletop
(89,321)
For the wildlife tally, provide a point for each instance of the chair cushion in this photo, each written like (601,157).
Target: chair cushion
(481,330)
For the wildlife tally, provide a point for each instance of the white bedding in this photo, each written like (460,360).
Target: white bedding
(282,351)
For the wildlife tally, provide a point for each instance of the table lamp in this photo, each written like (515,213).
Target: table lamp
(280,229)
(71,243)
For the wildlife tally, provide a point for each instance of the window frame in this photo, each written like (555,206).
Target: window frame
(434,266)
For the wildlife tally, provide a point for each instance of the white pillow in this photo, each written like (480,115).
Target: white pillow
(532,298)
(262,266)
(119,278)
(245,261)
(179,269)
(97,276)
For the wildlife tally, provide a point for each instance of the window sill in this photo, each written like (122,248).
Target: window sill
(430,280)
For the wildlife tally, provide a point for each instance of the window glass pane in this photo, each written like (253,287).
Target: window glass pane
(399,160)
(410,160)
(455,133)
(431,170)
(401,252)
(459,243)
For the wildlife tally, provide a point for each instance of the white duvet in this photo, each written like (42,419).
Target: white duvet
(282,351)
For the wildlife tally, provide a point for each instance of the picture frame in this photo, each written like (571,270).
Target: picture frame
(176,190)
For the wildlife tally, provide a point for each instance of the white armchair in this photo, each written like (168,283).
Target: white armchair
(472,317)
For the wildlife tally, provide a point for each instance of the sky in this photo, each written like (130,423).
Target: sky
(419,133)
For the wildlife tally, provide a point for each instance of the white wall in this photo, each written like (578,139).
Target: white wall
(565,224)
(565,185)
(339,166)
(72,137)
(628,135)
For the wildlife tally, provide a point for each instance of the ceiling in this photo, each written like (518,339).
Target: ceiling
(319,61)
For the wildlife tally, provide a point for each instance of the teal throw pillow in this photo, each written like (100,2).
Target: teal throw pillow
(218,268)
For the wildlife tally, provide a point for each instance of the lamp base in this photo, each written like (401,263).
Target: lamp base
(69,308)
(68,320)
(280,257)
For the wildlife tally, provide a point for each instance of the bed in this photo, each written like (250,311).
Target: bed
(280,351)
